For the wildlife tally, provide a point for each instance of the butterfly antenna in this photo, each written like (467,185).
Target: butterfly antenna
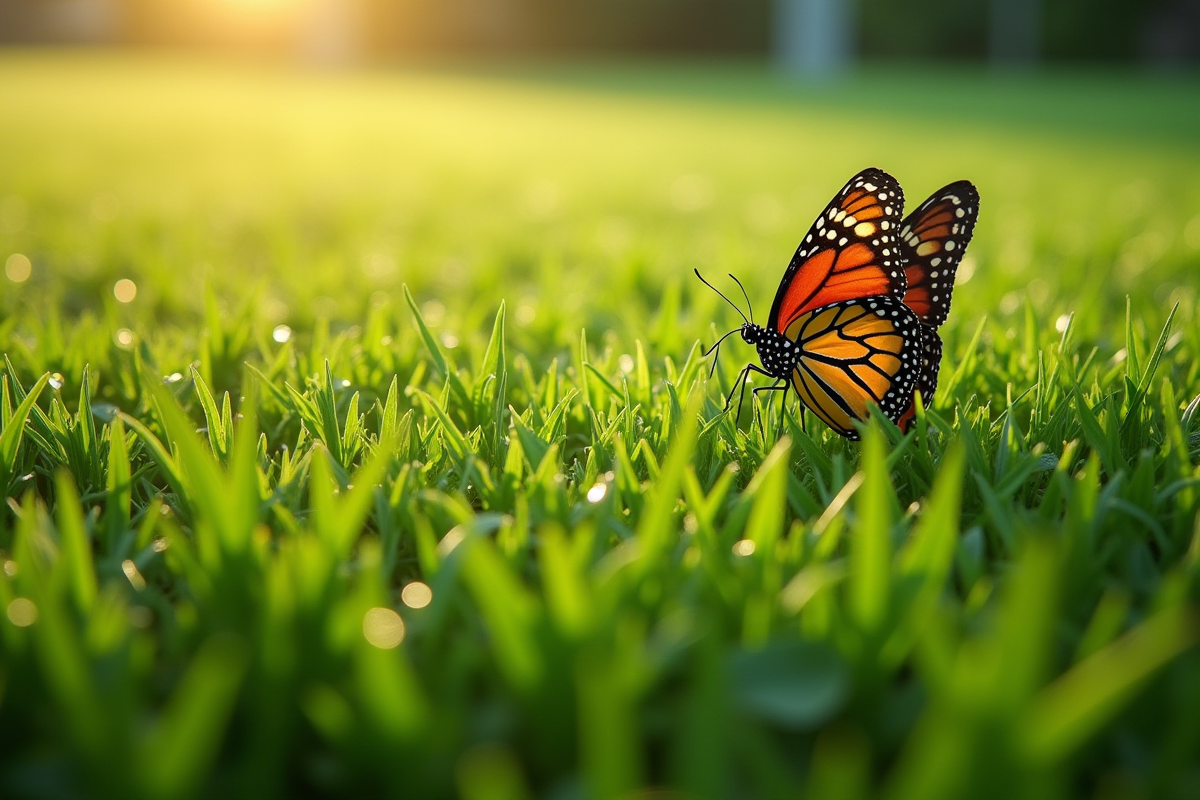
(717,347)
(745,295)
(723,297)
(718,343)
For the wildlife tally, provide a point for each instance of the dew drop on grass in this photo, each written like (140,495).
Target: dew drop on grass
(597,492)
(1010,302)
(131,572)
(57,380)
(383,628)
(22,612)
(416,595)
(433,311)
(744,547)
(125,290)
(966,270)
(18,268)
(450,541)
(281,333)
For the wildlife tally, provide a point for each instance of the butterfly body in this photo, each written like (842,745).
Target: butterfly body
(778,354)
(854,321)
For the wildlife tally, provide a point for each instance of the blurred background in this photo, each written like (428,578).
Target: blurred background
(331,150)
(211,183)
(808,35)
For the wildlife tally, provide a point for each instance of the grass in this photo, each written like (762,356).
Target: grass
(419,334)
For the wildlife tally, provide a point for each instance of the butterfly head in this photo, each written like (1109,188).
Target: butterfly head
(777,353)
(751,333)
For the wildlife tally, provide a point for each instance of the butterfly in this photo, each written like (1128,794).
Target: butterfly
(842,332)
(932,241)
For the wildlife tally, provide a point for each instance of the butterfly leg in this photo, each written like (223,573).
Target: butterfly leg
(745,376)
(739,379)
(783,409)
(775,387)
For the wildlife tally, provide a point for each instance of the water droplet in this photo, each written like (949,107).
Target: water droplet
(416,595)
(450,541)
(383,628)
(22,612)
(18,268)
(131,572)
(281,333)
(744,547)
(597,492)
(125,290)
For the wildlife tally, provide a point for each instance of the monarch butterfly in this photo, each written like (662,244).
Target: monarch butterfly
(843,331)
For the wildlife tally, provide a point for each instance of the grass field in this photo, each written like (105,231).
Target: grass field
(278,526)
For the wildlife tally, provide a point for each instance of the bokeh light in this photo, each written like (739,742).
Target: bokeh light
(125,290)
(417,595)
(18,268)
(383,628)
(22,612)
(744,547)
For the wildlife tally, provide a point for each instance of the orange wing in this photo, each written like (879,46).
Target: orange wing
(854,354)
(848,254)
(932,241)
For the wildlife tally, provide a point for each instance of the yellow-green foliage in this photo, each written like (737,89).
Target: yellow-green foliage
(437,326)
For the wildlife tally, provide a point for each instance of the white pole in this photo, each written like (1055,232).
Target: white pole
(814,38)
(1014,33)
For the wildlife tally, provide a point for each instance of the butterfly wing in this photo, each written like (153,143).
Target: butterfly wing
(854,353)
(849,253)
(932,241)
(927,380)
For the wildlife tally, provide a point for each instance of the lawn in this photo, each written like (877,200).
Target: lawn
(357,439)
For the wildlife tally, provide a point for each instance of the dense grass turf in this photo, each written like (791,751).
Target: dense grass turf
(629,592)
